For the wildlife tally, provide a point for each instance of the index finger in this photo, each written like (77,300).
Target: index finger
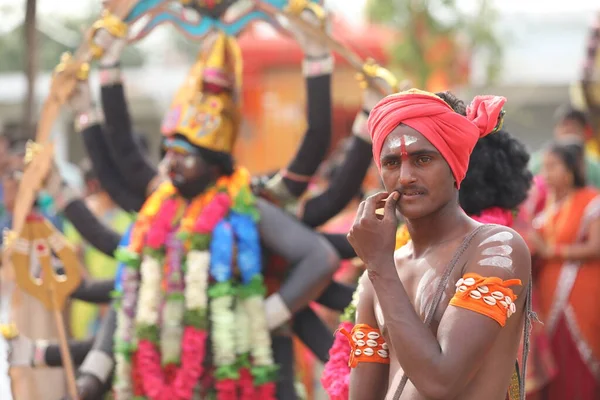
(372,201)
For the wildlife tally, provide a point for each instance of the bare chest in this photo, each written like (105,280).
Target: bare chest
(421,279)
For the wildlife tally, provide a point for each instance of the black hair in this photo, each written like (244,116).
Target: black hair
(497,175)
(572,155)
(570,113)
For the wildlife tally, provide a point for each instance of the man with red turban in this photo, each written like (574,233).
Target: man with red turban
(442,317)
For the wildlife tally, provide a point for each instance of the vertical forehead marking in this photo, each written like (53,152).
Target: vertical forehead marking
(403,152)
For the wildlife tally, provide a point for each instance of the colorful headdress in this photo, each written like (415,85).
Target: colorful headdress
(205,110)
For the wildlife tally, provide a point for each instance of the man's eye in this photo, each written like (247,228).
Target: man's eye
(390,163)
(424,159)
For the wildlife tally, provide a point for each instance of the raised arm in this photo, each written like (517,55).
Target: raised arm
(312,261)
(347,181)
(440,366)
(88,123)
(131,161)
(290,183)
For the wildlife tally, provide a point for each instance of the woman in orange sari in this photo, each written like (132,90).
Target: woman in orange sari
(567,276)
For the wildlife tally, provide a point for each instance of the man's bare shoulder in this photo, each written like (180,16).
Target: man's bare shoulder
(500,252)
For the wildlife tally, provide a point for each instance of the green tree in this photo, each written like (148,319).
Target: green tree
(433,34)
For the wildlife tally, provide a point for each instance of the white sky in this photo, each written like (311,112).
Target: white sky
(351,8)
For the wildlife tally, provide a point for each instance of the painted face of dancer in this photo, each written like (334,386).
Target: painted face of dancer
(413,167)
(189,171)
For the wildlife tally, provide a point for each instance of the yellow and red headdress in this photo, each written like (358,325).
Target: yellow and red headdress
(205,110)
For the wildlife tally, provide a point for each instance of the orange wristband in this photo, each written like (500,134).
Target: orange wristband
(491,297)
(367,345)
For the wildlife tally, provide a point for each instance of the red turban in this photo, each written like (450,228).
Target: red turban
(452,134)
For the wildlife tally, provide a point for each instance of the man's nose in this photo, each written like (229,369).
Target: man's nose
(407,176)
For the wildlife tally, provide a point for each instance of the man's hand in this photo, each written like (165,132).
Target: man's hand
(373,236)
(312,47)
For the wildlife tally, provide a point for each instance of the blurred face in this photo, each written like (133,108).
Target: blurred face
(556,173)
(568,127)
(411,165)
(11,178)
(187,170)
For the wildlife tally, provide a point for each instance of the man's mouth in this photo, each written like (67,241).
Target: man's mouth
(411,193)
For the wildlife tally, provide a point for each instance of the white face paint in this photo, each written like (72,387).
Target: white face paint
(497,261)
(395,142)
(408,140)
(498,237)
(504,250)
(189,161)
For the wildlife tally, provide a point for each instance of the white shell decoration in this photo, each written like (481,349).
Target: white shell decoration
(357,352)
(384,346)
(368,351)
(371,343)
(483,289)
(360,343)
(462,289)
(504,304)
(373,335)
(475,294)
(459,282)
(508,300)
(489,300)
(359,334)
(513,308)
(469,281)
(498,295)
(382,353)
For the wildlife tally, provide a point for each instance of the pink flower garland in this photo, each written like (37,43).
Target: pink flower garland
(214,212)
(226,389)
(246,384)
(266,391)
(162,224)
(182,386)
(336,376)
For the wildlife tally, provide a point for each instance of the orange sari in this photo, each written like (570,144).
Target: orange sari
(568,294)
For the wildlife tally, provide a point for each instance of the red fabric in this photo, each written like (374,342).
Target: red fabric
(453,135)
(574,379)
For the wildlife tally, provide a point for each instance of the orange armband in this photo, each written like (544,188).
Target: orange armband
(491,297)
(367,345)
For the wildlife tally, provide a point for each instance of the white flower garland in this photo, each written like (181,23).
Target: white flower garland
(223,338)
(262,352)
(149,295)
(242,333)
(196,280)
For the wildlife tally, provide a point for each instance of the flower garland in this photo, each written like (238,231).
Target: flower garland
(180,256)
(336,375)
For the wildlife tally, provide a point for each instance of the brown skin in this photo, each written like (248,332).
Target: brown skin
(441,364)
(560,185)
